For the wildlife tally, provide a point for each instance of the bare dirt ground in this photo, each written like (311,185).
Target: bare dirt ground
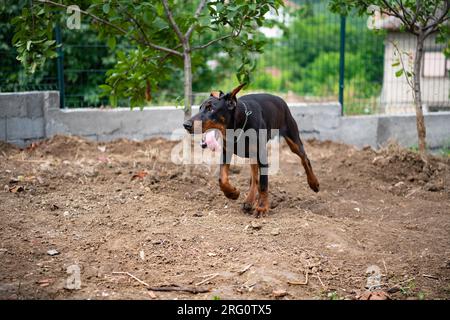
(376,210)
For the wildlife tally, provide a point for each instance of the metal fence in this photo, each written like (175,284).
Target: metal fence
(319,57)
(13,77)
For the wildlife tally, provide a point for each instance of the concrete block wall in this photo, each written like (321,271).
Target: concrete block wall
(22,117)
(378,130)
(30,116)
(317,120)
(358,131)
(109,124)
(3,136)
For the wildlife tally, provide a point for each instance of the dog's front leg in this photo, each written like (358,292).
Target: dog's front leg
(228,190)
(249,203)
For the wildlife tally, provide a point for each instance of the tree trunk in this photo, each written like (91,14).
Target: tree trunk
(187,100)
(420,121)
(187,83)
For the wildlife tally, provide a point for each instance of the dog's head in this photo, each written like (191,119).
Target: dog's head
(214,112)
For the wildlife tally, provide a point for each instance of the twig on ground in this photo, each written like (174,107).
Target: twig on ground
(320,280)
(397,286)
(430,276)
(207,279)
(241,272)
(152,294)
(385,268)
(130,275)
(298,283)
(31,160)
(412,192)
(206,275)
(178,288)
(166,288)
(381,219)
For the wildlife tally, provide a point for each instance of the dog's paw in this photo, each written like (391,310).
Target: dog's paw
(261,211)
(247,207)
(314,185)
(233,195)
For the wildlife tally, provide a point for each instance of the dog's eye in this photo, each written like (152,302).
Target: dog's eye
(208,108)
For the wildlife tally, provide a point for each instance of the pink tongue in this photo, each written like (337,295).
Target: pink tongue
(211,141)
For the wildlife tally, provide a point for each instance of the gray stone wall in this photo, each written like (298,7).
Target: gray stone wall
(22,117)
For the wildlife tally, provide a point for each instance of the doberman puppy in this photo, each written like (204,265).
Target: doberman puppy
(258,113)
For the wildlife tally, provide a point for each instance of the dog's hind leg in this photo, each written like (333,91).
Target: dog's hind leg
(294,142)
(262,204)
(249,202)
(228,190)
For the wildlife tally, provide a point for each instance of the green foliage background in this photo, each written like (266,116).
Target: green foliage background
(303,62)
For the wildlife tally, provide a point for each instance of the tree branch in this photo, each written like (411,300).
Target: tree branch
(93,16)
(405,12)
(200,7)
(147,40)
(203,46)
(223,37)
(171,51)
(162,59)
(394,12)
(405,71)
(445,16)
(173,22)
(106,22)
(416,15)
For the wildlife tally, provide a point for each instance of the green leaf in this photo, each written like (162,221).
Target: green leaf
(105,87)
(113,100)
(112,43)
(399,73)
(33,67)
(395,64)
(106,8)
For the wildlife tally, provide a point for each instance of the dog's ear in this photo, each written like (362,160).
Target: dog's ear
(236,90)
(231,97)
(216,94)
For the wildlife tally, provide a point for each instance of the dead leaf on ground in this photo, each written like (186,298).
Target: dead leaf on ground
(103,159)
(22,179)
(375,295)
(101,148)
(44,282)
(279,293)
(32,146)
(16,189)
(140,175)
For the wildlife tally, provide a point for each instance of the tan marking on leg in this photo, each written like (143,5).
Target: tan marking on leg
(263,204)
(249,202)
(310,176)
(228,190)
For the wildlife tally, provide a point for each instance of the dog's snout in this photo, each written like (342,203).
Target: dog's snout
(188,125)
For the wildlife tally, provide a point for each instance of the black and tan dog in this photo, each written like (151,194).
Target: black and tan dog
(260,113)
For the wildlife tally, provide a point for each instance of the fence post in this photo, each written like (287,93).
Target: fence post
(60,66)
(342,64)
